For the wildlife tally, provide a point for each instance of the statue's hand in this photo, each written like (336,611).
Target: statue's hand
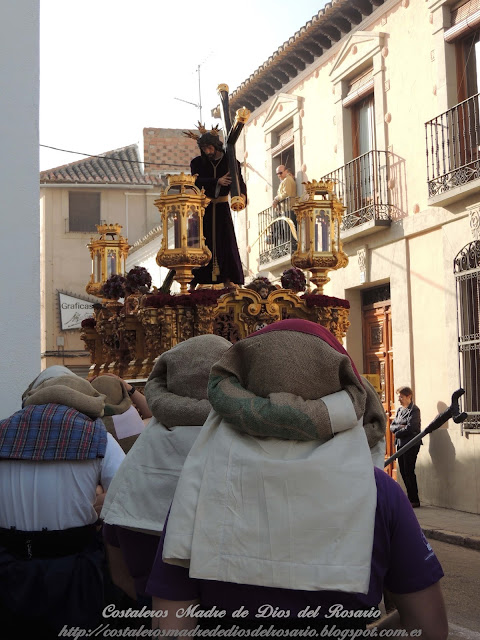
(225,180)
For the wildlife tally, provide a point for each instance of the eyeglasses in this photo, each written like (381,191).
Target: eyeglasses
(280,173)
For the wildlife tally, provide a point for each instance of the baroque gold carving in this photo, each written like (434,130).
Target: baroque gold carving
(128,342)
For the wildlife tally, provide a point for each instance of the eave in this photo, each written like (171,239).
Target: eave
(331,24)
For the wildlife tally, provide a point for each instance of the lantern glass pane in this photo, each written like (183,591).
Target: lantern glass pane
(322,230)
(111,262)
(305,235)
(173,225)
(193,228)
(97,267)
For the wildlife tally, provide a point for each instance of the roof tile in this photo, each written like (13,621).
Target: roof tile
(120,166)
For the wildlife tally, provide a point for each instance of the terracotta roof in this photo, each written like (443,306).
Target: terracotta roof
(120,166)
(330,25)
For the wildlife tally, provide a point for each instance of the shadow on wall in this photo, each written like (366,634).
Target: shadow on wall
(397,186)
(440,479)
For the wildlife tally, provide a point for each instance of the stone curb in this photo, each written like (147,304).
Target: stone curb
(470,542)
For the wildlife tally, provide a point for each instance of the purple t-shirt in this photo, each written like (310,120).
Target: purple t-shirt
(402,561)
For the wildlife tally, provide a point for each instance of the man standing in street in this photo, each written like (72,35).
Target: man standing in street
(211,168)
(405,426)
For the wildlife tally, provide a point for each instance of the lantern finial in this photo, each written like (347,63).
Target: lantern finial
(319,215)
(182,207)
(109,253)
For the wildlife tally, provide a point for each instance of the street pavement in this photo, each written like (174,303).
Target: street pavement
(461,564)
(461,589)
(448,525)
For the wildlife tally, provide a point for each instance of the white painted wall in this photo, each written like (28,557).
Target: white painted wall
(20,237)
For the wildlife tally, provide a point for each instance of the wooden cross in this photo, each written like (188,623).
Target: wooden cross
(230,135)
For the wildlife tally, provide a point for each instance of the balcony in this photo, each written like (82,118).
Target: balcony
(362,185)
(453,157)
(276,239)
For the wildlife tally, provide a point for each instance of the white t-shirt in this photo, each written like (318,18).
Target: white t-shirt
(55,495)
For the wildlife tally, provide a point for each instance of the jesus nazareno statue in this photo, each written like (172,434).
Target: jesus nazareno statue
(213,174)
(218,172)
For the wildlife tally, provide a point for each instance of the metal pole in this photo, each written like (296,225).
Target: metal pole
(453,412)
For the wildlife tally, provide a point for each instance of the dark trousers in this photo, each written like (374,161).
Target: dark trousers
(406,463)
(39,595)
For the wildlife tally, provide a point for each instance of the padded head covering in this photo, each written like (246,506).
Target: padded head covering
(70,391)
(281,381)
(54,371)
(117,401)
(176,390)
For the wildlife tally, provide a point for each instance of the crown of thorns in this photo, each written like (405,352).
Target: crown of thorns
(215,131)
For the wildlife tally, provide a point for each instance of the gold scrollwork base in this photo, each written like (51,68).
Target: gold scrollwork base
(127,339)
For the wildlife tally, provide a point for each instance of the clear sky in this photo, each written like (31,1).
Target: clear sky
(109,68)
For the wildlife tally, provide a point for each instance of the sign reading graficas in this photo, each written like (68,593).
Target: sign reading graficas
(73,311)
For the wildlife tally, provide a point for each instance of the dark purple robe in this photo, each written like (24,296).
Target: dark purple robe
(224,244)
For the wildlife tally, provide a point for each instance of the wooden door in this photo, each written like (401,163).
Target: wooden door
(378,359)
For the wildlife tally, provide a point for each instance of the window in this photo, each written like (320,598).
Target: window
(453,137)
(283,153)
(469,67)
(361,178)
(363,127)
(361,170)
(83,211)
(467,275)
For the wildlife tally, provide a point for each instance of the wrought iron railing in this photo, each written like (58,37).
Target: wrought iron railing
(467,276)
(362,185)
(276,239)
(452,141)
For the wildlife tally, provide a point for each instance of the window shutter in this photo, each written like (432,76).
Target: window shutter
(465,19)
(359,87)
(284,140)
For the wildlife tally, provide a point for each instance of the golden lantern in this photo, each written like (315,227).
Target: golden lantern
(182,207)
(319,215)
(109,253)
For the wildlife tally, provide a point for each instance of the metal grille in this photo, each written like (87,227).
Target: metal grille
(276,240)
(452,141)
(362,184)
(467,275)
(376,294)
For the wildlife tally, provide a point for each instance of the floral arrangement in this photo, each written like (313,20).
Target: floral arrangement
(88,323)
(138,279)
(318,300)
(114,287)
(294,279)
(202,297)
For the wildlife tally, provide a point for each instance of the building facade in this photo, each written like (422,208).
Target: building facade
(119,186)
(74,199)
(382,98)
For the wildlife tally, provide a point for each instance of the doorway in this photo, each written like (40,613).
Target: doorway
(378,354)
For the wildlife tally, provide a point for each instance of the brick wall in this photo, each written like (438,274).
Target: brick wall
(168,147)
